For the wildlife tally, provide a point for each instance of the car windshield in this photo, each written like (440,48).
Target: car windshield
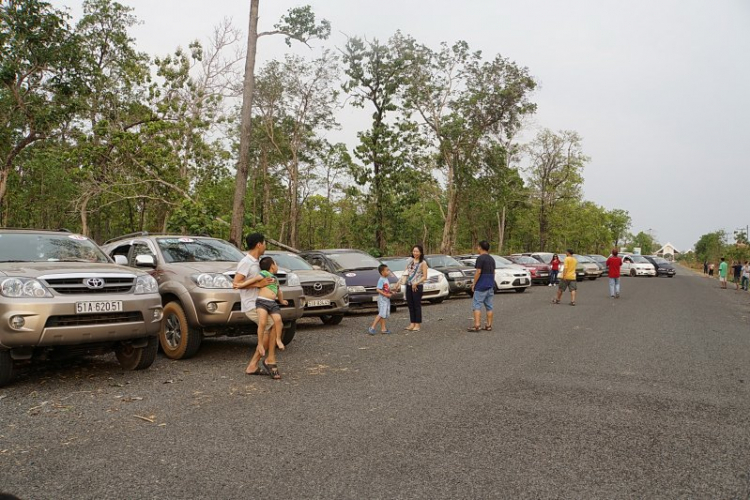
(30,247)
(583,258)
(598,258)
(398,264)
(544,257)
(186,249)
(502,261)
(639,259)
(661,260)
(524,259)
(442,261)
(291,262)
(353,261)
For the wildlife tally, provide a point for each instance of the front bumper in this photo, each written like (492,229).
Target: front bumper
(215,308)
(459,285)
(645,272)
(666,272)
(54,321)
(512,282)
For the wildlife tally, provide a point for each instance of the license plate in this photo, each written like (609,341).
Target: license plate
(430,286)
(524,281)
(318,303)
(99,306)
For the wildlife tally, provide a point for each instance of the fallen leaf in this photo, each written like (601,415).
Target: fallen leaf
(146,419)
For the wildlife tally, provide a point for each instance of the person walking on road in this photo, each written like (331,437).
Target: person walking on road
(554,270)
(568,281)
(247,270)
(745,275)
(613,264)
(711,270)
(737,274)
(416,275)
(483,288)
(723,268)
(705,267)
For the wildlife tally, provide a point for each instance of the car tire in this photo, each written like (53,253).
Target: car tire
(471,294)
(633,273)
(520,290)
(6,368)
(177,338)
(592,279)
(332,319)
(137,358)
(437,301)
(394,309)
(288,333)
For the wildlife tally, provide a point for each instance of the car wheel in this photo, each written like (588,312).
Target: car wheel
(471,294)
(6,367)
(177,338)
(287,335)
(137,358)
(331,319)
(671,275)
(437,301)
(520,290)
(632,273)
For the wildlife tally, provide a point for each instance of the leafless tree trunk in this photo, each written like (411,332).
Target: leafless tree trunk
(500,231)
(238,206)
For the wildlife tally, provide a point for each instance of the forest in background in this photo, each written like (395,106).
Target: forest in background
(102,139)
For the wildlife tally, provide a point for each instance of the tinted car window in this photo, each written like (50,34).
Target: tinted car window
(353,261)
(49,248)
(291,262)
(443,261)
(197,250)
(396,264)
(501,261)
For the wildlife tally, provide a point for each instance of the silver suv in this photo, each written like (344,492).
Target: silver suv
(61,296)
(195,276)
(327,294)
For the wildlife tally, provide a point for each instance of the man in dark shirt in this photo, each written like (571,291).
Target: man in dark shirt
(483,287)
(737,268)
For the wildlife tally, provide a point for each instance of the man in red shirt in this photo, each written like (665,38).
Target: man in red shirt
(613,264)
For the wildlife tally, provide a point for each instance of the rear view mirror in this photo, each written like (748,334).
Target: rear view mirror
(121,260)
(145,261)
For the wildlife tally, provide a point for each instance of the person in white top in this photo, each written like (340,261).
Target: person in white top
(247,269)
(745,275)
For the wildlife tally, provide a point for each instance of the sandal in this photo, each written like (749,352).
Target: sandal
(474,329)
(487,328)
(555,301)
(572,303)
(256,372)
(273,370)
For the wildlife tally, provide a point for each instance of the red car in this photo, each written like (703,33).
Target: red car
(539,270)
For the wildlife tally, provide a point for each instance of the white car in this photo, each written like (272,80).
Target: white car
(636,265)
(436,287)
(508,276)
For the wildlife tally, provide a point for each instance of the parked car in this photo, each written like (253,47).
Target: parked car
(539,270)
(359,269)
(436,288)
(601,260)
(590,267)
(459,276)
(195,276)
(326,294)
(61,296)
(508,276)
(636,265)
(662,265)
(546,257)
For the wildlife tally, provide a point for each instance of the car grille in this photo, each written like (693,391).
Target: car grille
(325,289)
(77,285)
(371,289)
(94,319)
(470,273)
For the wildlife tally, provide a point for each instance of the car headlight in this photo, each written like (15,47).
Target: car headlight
(24,287)
(341,281)
(212,280)
(356,289)
(293,280)
(504,274)
(146,284)
(455,274)
(441,278)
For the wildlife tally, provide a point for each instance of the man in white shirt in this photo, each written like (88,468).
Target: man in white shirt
(249,268)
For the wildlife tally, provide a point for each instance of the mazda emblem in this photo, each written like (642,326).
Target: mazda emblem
(318,287)
(94,283)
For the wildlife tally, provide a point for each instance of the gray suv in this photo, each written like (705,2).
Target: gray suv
(61,296)
(195,276)
(326,293)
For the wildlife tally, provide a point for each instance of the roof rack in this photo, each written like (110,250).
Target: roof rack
(126,236)
(60,230)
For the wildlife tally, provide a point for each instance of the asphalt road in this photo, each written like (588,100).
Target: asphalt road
(641,397)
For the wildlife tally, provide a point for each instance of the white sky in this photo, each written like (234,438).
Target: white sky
(657,89)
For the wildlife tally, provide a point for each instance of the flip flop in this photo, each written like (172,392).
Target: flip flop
(273,370)
(474,329)
(487,328)
(256,372)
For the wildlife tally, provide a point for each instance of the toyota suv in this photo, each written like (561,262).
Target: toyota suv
(195,281)
(327,294)
(61,296)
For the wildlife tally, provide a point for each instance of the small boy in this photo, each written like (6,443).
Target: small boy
(384,301)
(266,303)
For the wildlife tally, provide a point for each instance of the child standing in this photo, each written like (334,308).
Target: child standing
(384,301)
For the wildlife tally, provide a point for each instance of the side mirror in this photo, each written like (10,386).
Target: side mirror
(121,260)
(145,261)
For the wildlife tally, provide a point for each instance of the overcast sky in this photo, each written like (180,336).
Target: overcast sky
(659,90)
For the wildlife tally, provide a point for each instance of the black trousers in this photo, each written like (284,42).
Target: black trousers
(414,301)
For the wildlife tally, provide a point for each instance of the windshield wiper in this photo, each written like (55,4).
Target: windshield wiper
(15,261)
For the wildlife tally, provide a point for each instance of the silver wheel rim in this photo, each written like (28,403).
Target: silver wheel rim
(172,331)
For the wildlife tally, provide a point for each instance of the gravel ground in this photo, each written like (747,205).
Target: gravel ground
(641,397)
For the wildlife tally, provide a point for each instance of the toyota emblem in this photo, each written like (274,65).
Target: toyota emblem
(318,287)
(94,283)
